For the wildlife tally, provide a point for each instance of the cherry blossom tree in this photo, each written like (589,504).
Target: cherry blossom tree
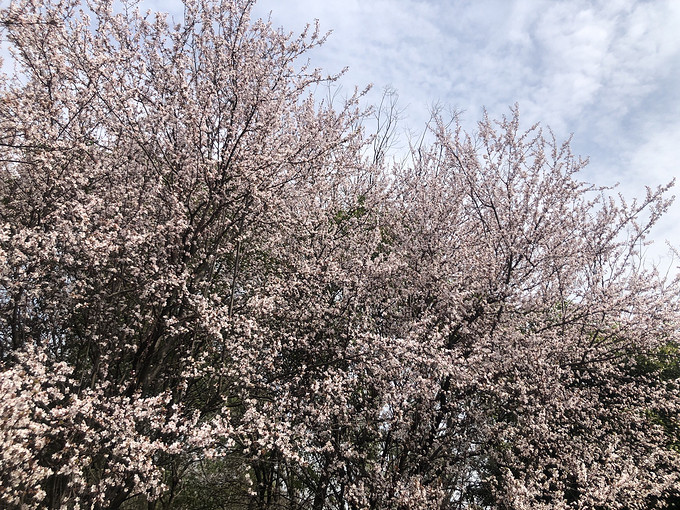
(547,398)
(151,177)
(212,296)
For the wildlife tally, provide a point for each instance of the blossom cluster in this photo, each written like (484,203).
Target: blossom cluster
(214,295)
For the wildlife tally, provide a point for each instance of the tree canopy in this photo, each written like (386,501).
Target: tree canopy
(213,296)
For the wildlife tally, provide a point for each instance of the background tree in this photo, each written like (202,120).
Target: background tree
(212,299)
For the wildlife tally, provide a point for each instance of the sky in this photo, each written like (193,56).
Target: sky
(606,72)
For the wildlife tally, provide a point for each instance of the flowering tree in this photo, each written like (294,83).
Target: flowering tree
(210,297)
(151,177)
(548,396)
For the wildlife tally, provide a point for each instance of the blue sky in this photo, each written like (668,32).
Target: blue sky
(606,71)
